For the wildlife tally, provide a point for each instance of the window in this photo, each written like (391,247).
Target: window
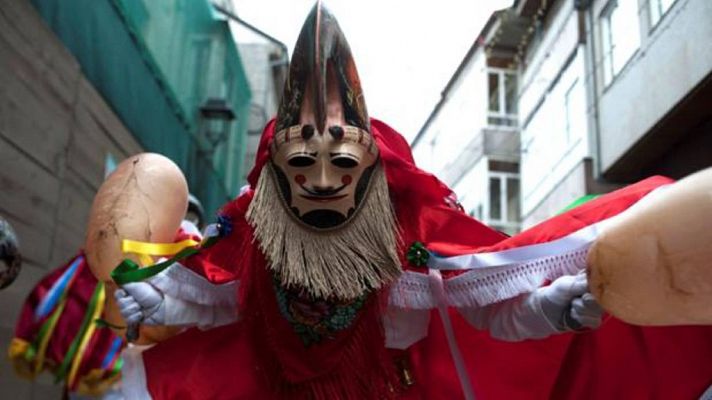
(658,8)
(504,202)
(513,205)
(620,35)
(495,192)
(476,212)
(502,91)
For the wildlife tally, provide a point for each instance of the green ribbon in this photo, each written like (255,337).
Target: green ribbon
(418,255)
(46,329)
(581,200)
(101,324)
(117,366)
(64,367)
(129,271)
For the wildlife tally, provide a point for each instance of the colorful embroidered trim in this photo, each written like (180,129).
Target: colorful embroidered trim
(321,319)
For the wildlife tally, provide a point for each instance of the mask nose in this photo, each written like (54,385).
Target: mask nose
(323,183)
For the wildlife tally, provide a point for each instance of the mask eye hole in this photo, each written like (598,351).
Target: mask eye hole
(301,161)
(344,162)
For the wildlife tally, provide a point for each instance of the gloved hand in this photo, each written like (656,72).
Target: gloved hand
(141,302)
(568,305)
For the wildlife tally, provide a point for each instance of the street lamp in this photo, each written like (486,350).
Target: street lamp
(216,117)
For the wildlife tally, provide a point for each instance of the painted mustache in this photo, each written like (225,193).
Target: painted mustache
(321,193)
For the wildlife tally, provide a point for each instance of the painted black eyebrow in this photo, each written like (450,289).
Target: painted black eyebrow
(340,154)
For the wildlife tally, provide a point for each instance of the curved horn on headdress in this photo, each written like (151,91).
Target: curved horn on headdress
(321,47)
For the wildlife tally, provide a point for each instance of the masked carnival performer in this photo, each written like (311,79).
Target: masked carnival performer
(345,272)
(56,330)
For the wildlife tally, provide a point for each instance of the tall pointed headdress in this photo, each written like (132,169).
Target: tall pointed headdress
(321,46)
(322,212)
(323,154)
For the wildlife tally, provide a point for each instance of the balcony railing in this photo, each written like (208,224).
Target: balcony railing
(501,143)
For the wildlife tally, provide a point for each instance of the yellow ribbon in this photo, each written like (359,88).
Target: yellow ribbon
(87,336)
(17,348)
(39,361)
(145,250)
(17,353)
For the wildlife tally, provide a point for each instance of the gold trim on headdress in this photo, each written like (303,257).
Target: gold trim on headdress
(352,134)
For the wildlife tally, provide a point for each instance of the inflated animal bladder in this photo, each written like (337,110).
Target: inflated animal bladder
(144,200)
(652,265)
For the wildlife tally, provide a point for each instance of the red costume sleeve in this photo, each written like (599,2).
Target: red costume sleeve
(220,263)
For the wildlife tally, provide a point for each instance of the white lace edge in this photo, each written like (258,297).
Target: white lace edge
(497,276)
(480,287)
(486,286)
(181,283)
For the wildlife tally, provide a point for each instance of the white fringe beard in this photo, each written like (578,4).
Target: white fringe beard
(338,264)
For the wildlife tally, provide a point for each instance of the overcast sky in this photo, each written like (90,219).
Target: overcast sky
(405,50)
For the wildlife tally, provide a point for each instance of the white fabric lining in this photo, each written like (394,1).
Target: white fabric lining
(133,374)
(405,326)
(412,290)
(497,276)
(484,286)
(519,255)
(707,395)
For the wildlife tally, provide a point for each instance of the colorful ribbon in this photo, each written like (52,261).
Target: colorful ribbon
(97,308)
(581,200)
(145,250)
(55,293)
(82,338)
(112,354)
(128,271)
(38,351)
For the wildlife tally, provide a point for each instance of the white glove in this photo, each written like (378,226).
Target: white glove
(568,305)
(141,302)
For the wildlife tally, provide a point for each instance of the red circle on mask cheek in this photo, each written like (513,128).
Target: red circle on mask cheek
(300,179)
(346,179)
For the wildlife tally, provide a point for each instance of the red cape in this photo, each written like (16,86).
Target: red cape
(616,361)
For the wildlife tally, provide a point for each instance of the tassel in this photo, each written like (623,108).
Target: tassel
(341,264)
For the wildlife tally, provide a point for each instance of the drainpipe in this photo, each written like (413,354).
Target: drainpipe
(585,6)
(283,47)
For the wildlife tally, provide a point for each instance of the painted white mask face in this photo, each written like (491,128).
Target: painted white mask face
(323,176)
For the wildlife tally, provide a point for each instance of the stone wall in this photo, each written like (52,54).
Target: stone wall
(56,133)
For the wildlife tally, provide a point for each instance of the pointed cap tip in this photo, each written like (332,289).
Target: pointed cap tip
(322,57)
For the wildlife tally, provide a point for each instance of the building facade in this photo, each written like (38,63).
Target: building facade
(608,92)
(556,138)
(621,97)
(471,139)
